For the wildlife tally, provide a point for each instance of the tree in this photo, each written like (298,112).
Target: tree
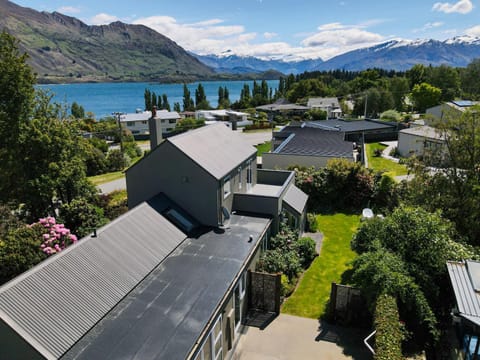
(391,115)
(223,98)
(201,101)
(469,80)
(454,190)
(82,217)
(188,104)
(447,80)
(176,107)
(16,103)
(399,89)
(77,111)
(425,95)
(417,75)
(165,103)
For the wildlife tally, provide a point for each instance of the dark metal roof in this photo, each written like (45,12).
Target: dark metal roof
(315,142)
(352,125)
(163,318)
(463,277)
(217,157)
(54,304)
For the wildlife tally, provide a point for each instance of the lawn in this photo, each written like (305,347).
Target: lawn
(313,292)
(263,148)
(379,163)
(104,178)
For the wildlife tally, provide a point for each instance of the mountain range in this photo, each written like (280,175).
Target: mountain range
(397,55)
(64,49)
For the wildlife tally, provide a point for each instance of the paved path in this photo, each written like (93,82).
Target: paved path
(119,184)
(386,152)
(290,338)
(317,237)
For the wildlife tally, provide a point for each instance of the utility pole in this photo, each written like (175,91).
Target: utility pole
(365,111)
(117,117)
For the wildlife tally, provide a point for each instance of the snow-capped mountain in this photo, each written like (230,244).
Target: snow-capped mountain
(395,54)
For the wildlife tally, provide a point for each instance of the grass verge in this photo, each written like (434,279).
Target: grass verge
(104,178)
(313,292)
(378,163)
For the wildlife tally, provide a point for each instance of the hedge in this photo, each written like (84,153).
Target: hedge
(389,336)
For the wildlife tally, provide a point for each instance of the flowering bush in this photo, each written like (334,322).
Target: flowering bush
(56,238)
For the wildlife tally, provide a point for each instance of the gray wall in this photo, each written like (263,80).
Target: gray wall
(169,171)
(14,347)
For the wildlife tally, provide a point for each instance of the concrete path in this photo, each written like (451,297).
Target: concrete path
(386,152)
(119,184)
(317,237)
(290,338)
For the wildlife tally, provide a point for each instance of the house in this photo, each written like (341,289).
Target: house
(225,170)
(360,131)
(221,115)
(450,108)
(138,123)
(307,146)
(421,141)
(465,281)
(169,279)
(329,104)
(282,107)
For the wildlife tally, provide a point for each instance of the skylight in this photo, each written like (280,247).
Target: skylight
(474,272)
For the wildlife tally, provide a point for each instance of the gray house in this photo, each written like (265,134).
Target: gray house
(170,279)
(211,172)
(307,146)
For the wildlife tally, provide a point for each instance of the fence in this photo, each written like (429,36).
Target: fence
(348,306)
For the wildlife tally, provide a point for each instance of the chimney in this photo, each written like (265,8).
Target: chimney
(155,129)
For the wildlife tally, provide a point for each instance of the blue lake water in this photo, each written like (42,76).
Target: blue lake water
(105,98)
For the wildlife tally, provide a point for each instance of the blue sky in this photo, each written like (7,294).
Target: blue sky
(287,29)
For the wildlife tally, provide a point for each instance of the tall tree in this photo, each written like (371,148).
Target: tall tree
(188,104)
(165,103)
(425,95)
(470,83)
(77,111)
(201,102)
(16,102)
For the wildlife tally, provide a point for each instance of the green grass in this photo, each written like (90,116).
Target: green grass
(379,163)
(263,148)
(104,178)
(313,292)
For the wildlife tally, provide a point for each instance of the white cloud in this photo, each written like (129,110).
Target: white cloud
(429,26)
(69,10)
(473,31)
(103,19)
(462,7)
(269,35)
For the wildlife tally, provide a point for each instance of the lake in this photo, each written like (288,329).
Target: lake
(105,98)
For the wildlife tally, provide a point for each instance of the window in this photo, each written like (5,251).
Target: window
(130,123)
(249,174)
(239,178)
(227,187)
(238,300)
(144,122)
(163,121)
(212,346)
(172,121)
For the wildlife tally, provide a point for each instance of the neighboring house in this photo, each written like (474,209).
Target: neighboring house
(307,146)
(137,122)
(360,130)
(420,141)
(465,280)
(330,105)
(451,108)
(233,119)
(170,278)
(282,107)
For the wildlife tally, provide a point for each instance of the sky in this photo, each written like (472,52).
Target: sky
(280,29)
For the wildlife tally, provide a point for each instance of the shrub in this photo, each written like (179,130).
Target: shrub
(113,204)
(377,152)
(278,261)
(117,161)
(389,336)
(306,250)
(287,286)
(56,237)
(81,216)
(312,223)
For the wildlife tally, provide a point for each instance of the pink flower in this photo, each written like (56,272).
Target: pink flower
(73,238)
(46,236)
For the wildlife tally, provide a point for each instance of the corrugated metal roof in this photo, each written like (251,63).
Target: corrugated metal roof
(167,115)
(424,131)
(54,304)
(164,317)
(468,300)
(351,125)
(217,157)
(296,199)
(141,116)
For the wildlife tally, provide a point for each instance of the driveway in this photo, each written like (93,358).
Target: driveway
(290,338)
(119,184)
